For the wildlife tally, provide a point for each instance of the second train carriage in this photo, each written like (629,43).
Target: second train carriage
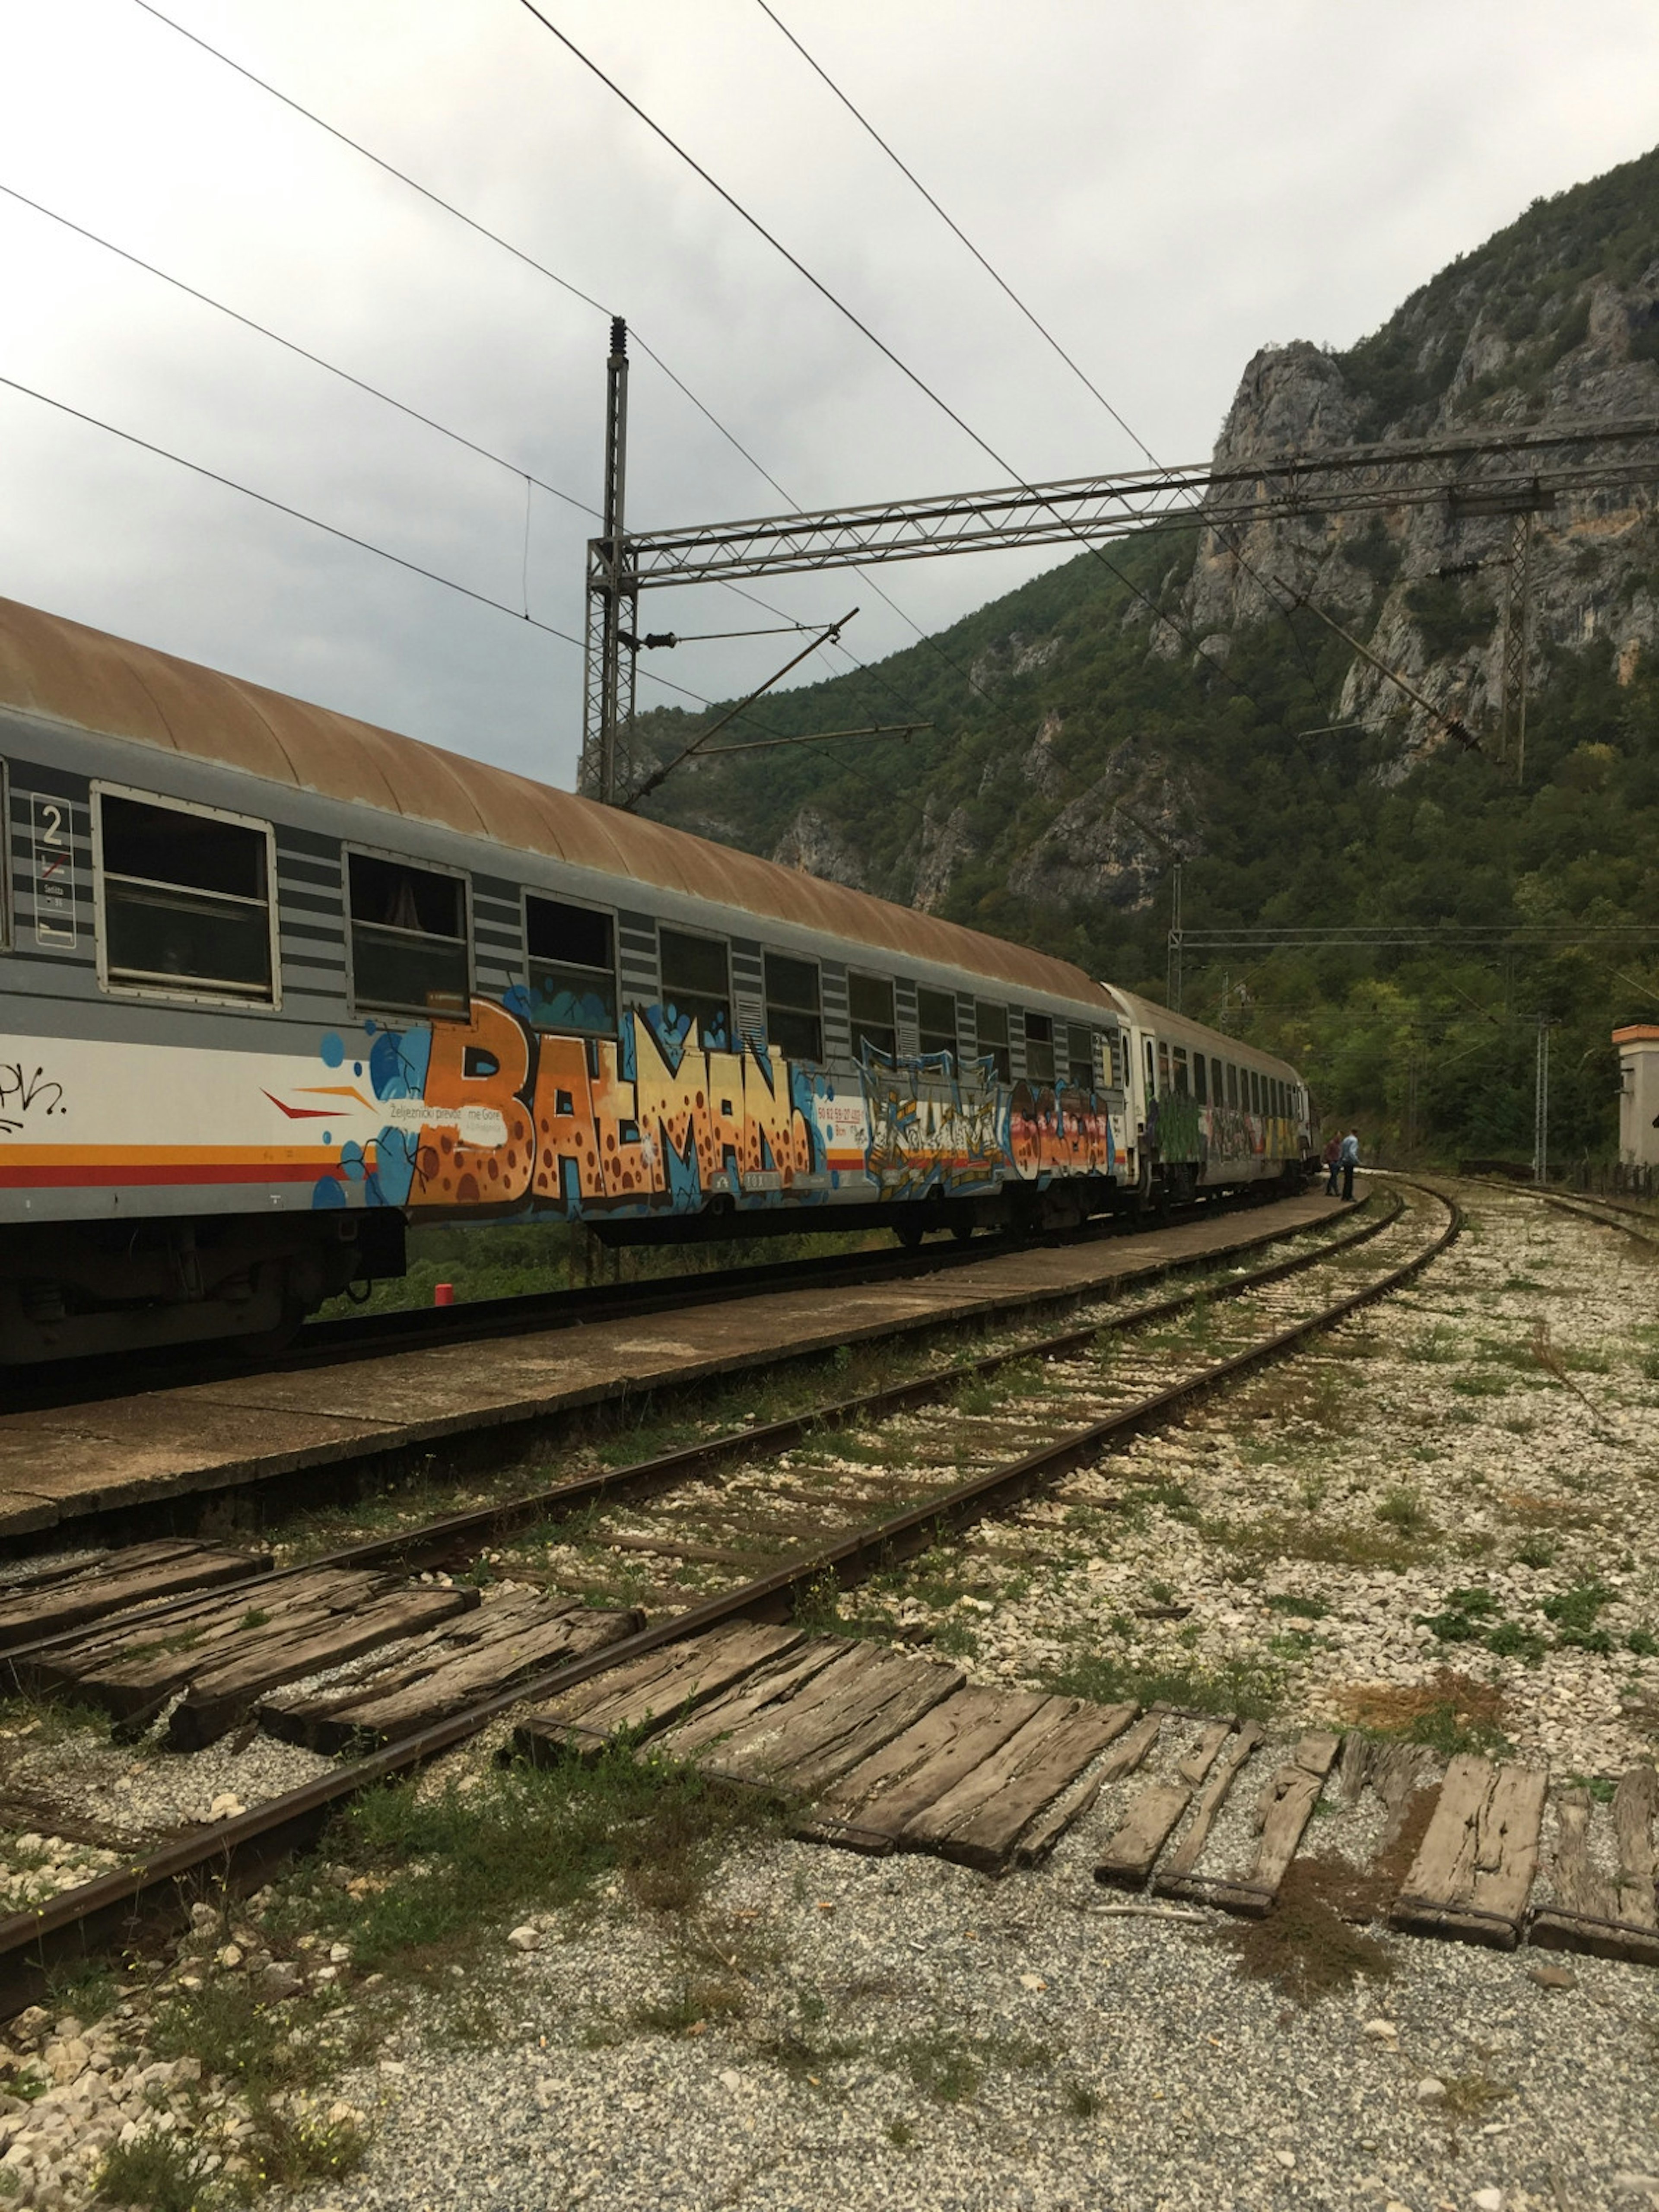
(276,981)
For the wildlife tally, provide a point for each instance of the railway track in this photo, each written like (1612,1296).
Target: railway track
(1639,1223)
(743,1526)
(341,1339)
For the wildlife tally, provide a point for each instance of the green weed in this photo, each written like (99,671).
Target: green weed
(448,1867)
(1437,1347)
(1449,1728)
(695,2000)
(1472,2096)
(1402,1507)
(161,2173)
(1574,1612)
(948,2066)
(1320,1541)
(802,2057)
(1251,1686)
(1594,1785)
(1510,1641)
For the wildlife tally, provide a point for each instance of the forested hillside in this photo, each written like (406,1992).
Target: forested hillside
(1151,702)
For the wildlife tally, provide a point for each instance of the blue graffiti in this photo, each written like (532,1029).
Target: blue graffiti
(398,1061)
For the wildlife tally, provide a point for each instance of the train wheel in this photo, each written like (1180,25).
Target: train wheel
(266,1343)
(962,1231)
(909,1234)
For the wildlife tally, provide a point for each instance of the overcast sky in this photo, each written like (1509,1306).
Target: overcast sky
(1170,185)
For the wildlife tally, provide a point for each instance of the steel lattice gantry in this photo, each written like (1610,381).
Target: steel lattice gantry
(1506,471)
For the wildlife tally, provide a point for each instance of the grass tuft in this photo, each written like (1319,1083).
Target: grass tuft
(160,2172)
(1249,1685)
(447,1869)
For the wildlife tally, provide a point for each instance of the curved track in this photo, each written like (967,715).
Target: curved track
(1257,1303)
(1578,1205)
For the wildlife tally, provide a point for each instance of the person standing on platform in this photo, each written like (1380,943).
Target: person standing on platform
(1332,1154)
(1349,1158)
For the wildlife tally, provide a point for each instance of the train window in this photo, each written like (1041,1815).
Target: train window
(186,897)
(1152,1080)
(408,936)
(572,966)
(1255,1090)
(1180,1056)
(991,1037)
(1039,1048)
(936,1019)
(1217,1082)
(870,1011)
(1200,1087)
(1163,1066)
(696,981)
(793,1022)
(1232,1085)
(1079,1058)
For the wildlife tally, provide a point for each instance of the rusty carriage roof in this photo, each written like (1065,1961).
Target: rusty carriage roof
(70,673)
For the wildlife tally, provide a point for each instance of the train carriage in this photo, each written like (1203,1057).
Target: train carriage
(276,982)
(1211,1113)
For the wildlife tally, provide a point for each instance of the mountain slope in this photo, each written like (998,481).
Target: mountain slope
(1150,702)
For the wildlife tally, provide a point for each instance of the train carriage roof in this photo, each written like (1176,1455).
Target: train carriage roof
(1182,1029)
(62,670)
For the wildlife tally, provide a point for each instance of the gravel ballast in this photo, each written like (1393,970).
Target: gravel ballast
(823,2029)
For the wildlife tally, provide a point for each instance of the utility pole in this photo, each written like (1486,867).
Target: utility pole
(1411,1065)
(1172,981)
(1540,1105)
(613,595)
(1521,502)
(1517,599)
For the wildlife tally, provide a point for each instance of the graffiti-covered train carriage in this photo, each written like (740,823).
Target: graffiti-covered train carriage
(277,983)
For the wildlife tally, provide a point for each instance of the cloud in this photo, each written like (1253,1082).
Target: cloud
(1169,188)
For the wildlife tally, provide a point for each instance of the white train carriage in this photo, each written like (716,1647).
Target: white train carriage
(276,982)
(1210,1113)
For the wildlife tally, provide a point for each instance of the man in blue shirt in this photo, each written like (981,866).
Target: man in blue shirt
(1349,1158)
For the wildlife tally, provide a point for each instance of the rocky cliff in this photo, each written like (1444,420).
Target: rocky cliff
(1176,697)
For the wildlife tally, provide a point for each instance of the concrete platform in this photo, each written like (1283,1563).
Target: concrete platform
(58,1466)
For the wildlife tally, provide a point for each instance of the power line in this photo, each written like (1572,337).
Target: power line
(332,530)
(1031,317)
(995,275)
(841,309)
(292,346)
(471,223)
(530,261)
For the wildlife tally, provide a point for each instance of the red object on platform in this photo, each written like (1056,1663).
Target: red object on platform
(443,1294)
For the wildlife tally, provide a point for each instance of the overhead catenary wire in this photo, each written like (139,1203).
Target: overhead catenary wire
(292,346)
(461,216)
(530,261)
(316,522)
(1030,315)
(995,274)
(851,315)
